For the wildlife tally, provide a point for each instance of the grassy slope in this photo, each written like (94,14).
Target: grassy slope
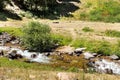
(87,5)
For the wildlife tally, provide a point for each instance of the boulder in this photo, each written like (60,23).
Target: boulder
(15,42)
(114,57)
(88,55)
(2,42)
(47,54)
(79,50)
(94,54)
(13,55)
(33,55)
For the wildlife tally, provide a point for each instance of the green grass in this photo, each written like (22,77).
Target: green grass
(60,66)
(88,5)
(87,29)
(11,30)
(112,33)
(62,39)
(107,11)
(100,47)
(4,62)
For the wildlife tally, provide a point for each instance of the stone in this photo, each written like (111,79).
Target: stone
(14,55)
(15,42)
(79,50)
(2,43)
(32,76)
(94,54)
(47,54)
(88,55)
(71,53)
(65,50)
(33,55)
(1,53)
(114,57)
(66,76)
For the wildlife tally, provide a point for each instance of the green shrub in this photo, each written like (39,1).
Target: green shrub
(87,29)
(112,33)
(37,36)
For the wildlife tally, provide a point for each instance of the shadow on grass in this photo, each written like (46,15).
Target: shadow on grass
(4,14)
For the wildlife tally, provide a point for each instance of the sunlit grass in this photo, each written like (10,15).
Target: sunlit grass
(11,30)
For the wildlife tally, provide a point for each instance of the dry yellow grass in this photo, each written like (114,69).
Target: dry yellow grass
(25,74)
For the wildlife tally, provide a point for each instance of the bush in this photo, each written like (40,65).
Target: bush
(37,37)
(87,29)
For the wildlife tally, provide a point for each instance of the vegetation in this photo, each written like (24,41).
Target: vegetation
(38,31)
(100,47)
(62,65)
(2,4)
(11,30)
(37,37)
(112,33)
(107,11)
(87,29)
(4,62)
(36,5)
(61,39)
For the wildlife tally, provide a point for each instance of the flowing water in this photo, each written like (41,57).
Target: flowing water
(40,58)
(104,66)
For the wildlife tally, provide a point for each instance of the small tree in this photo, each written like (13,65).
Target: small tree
(37,37)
